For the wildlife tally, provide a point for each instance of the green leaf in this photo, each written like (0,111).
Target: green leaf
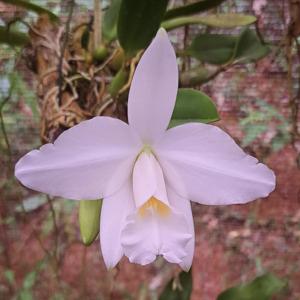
(249,47)
(138,23)
(13,38)
(213,48)
(220,49)
(280,140)
(181,290)
(89,220)
(228,20)
(25,295)
(193,106)
(9,276)
(33,7)
(110,20)
(220,20)
(29,280)
(252,131)
(191,9)
(261,288)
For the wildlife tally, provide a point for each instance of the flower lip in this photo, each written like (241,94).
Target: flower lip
(154,206)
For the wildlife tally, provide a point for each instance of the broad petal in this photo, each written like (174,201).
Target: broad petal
(184,206)
(148,180)
(204,164)
(114,211)
(145,237)
(89,161)
(153,90)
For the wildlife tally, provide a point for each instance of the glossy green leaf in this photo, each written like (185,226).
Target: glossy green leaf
(179,288)
(191,9)
(110,20)
(213,48)
(220,49)
(13,38)
(261,288)
(249,47)
(193,106)
(221,21)
(138,23)
(89,220)
(33,7)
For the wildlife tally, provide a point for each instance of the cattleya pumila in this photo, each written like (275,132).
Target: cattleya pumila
(147,175)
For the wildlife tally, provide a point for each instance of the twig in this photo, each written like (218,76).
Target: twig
(83,273)
(4,234)
(133,63)
(38,239)
(63,49)
(222,69)
(298,95)
(109,59)
(295,102)
(104,106)
(56,231)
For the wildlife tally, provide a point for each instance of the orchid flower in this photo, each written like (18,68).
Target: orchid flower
(147,174)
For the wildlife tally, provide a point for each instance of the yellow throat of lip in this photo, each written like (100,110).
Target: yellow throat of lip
(155,206)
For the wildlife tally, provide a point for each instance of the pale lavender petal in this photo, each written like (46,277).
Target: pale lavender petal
(89,161)
(153,90)
(114,211)
(184,206)
(204,164)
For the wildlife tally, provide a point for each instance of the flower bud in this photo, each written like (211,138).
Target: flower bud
(89,220)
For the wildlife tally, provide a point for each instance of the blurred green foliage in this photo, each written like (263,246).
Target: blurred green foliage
(179,288)
(263,287)
(32,7)
(261,119)
(12,37)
